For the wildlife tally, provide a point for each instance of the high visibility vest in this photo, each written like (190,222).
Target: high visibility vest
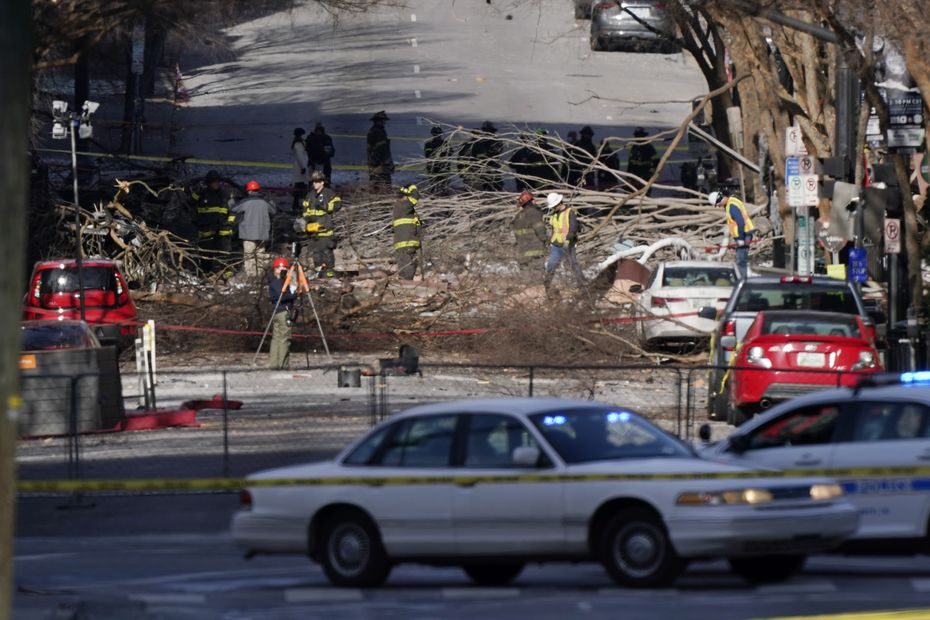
(748,226)
(560,223)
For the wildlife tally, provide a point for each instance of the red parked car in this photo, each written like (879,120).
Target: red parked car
(54,293)
(788,353)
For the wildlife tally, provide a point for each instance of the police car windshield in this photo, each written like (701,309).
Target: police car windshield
(587,435)
(796,296)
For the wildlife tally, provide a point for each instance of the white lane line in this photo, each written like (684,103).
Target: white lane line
(321,595)
(920,585)
(478,593)
(416,68)
(186,577)
(797,588)
(169,599)
(417,94)
(413,42)
(413,17)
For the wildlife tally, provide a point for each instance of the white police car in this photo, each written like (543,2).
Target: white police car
(874,439)
(490,485)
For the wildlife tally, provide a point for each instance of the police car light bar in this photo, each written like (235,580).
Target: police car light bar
(921,377)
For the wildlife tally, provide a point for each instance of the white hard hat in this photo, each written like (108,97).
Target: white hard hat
(553,200)
(713,198)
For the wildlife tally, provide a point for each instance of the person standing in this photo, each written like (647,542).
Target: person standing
(214,223)
(282,304)
(585,159)
(319,208)
(380,160)
(740,226)
(436,152)
(406,226)
(486,151)
(643,159)
(301,162)
(254,215)
(321,151)
(529,230)
(564,225)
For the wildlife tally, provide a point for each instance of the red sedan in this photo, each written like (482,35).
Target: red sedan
(788,353)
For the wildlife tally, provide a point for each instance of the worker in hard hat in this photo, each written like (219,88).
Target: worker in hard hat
(406,226)
(739,224)
(529,230)
(282,300)
(564,224)
(214,222)
(317,221)
(254,215)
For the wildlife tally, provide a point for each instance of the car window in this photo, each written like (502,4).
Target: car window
(368,448)
(796,296)
(885,421)
(807,426)
(66,280)
(54,335)
(422,442)
(810,324)
(594,434)
(698,276)
(491,440)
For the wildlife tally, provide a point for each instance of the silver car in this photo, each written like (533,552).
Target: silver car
(633,24)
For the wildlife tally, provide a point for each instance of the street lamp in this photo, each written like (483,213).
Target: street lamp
(73,123)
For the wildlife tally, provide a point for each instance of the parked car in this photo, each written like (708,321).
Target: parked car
(674,294)
(54,293)
(490,485)
(633,24)
(863,434)
(787,353)
(583,8)
(756,294)
(50,334)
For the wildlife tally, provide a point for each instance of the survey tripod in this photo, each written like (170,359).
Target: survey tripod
(296,277)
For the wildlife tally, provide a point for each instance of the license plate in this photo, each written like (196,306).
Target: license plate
(812,360)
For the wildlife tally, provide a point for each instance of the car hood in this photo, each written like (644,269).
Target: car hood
(660,466)
(306,470)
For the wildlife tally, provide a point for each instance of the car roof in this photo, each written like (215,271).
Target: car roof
(778,280)
(72,262)
(515,405)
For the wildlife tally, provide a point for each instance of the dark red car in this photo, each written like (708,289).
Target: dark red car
(788,353)
(54,293)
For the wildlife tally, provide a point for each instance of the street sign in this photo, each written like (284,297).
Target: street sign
(793,182)
(905,118)
(807,164)
(892,236)
(828,238)
(809,188)
(858,265)
(805,235)
(794,145)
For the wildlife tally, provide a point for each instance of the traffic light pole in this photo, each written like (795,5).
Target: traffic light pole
(74,125)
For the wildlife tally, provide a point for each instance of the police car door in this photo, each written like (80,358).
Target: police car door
(800,438)
(887,434)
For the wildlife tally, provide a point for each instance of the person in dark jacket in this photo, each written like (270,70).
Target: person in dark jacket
(583,158)
(486,152)
(643,159)
(214,222)
(529,163)
(610,159)
(380,160)
(406,226)
(318,224)
(320,151)
(529,231)
(437,151)
(282,301)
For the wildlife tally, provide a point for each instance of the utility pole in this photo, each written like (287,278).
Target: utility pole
(15,110)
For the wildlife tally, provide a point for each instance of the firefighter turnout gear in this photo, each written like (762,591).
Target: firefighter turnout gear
(378,150)
(406,226)
(214,221)
(319,208)
(529,230)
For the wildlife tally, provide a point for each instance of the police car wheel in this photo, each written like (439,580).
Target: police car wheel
(351,551)
(768,568)
(637,552)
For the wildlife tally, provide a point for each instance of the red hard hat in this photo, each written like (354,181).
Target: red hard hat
(280,262)
(252,186)
(524,198)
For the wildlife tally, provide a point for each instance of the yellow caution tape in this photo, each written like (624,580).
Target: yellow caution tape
(891,614)
(200,484)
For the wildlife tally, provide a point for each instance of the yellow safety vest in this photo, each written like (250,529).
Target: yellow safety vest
(559,223)
(748,226)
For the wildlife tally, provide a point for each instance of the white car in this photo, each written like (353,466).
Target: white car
(876,440)
(674,294)
(490,485)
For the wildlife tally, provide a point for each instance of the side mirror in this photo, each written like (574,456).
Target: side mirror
(739,443)
(728,342)
(636,288)
(704,433)
(525,456)
(708,312)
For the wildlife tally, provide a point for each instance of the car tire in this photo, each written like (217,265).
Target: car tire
(768,568)
(351,551)
(493,574)
(637,552)
(596,45)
